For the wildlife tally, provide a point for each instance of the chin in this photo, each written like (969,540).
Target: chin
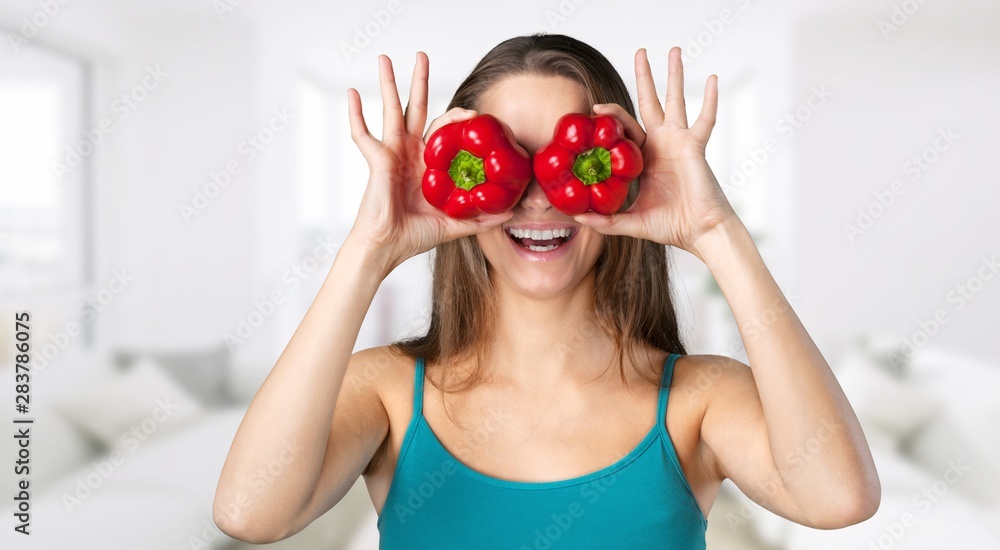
(529,282)
(545,273)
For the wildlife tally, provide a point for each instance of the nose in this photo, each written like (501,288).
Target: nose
(534,198)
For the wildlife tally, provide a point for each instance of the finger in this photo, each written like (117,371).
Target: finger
(621,223)
(453,115)
(673,107)
(364,139)
(484,222)
(649,105)
(392,111)
(416,106)
(633,130)
(702,128)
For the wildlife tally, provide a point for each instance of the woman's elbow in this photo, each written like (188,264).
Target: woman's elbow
(229,520)
(851,507)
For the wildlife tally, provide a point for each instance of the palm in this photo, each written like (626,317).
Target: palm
(394,214)
(679,197)
(397,213)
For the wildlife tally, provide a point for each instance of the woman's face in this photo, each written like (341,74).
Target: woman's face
(531,105)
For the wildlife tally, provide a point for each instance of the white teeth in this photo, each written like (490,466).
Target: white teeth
(542,248)
(540,235)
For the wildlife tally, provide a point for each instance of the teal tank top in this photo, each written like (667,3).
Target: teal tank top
(641,501)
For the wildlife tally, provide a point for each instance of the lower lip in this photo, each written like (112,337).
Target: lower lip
(547,256)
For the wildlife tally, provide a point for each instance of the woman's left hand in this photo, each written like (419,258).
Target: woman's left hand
(680,199)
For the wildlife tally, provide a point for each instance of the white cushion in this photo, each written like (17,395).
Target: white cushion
(892,403)
(203,373)
(58,446)
(126,409)
(967,384)
(968,428)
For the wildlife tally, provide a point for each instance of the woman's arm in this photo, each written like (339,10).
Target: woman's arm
(271,473)
(782,430)
(292,458)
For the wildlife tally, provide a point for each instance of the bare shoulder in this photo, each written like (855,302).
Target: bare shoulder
(700,380)
(724,392)
(380,373)
(373,385)
(384,377)
(707,374)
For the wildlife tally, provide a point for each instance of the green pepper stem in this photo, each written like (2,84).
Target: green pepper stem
(467,170)
(593,166)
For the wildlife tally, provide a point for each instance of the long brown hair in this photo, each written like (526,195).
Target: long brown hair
(632,293)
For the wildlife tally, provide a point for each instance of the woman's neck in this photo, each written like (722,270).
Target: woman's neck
(538,341)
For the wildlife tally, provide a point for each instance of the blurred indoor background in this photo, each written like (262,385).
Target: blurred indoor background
(168,168)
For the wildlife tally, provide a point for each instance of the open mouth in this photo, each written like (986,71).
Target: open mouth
(541,241)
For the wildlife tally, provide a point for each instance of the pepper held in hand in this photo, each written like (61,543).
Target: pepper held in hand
(474,166)
(588,165)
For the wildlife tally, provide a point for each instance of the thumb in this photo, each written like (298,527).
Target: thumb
(621,223)
(485,222)
(477,224)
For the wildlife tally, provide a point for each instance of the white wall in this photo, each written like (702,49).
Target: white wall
(940,70)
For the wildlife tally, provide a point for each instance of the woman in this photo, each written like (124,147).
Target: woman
(523,436)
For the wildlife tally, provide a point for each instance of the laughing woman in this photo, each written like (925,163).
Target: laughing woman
(551,403)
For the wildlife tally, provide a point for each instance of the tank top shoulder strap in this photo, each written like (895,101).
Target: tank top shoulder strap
(665,382)
(418,388)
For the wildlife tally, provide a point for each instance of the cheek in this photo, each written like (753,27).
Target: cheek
(490,242)
(595,243)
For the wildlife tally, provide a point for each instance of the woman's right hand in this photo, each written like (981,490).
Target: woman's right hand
(394,217)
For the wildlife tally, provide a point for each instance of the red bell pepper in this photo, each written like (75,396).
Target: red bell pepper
(474,166)
(587,165)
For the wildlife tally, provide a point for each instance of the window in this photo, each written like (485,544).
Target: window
(43,229)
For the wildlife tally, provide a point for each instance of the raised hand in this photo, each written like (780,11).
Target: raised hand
(679,198)
(394,217)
